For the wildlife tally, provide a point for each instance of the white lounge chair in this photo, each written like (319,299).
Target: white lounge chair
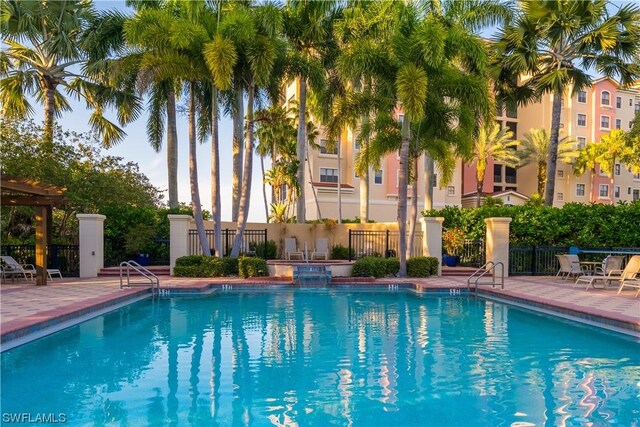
(13,268)
(291,249)
(321,250)
(53,272)
(629,273)
(631,283)
(569,266)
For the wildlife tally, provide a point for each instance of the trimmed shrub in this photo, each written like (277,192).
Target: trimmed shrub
(203,266)
(190,260)
(230,266)
(375,267)
(422,266)
(266,251)
(391,266)
(341,252)
(252,267)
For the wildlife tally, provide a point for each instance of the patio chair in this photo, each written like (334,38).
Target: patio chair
(629,273)
(632,283)
(321,250)
(291,249)
(14,269)
(569,266)
(53,272)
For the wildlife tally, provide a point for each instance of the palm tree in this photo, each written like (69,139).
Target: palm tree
(615,150)
(45,48)
(586,160)
(550,44)
(493,143)
(535,148)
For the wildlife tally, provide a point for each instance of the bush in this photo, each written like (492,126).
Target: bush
(422,266)
(252,267)
(203,266)
(375,267)
(341,252)
(266,251)
(230,266)
(190,260)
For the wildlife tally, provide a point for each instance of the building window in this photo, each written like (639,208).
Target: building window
(605,98)
(434,180)
(604,190)
(616,168)
(630,124)
(328,175)
(560,197)
(636,195)
(604,122)
(582,120)
(377,177)
(618,123)
(324,150)
(637,107)
(356,144)
(513,127)
(498,109)
(497,188)
(560,173)
(616,191)
(510,175)
(497,173)
(579,189)
(629,190)
(630,102)
(400,119)
(451,190)
(618,102)
(512,110)
(582,97)
(636,176)
(582,141)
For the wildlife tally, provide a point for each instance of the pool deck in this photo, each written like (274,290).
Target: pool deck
(25,307)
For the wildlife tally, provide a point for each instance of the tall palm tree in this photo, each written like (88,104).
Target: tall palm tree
(46,52)
(586,160)
(550,44)
(493,143)
(615,149)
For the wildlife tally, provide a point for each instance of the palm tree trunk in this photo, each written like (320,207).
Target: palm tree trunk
(364,197)
(553,150)
(313,188)
(172,149)
(542,175)
(413,216)
(245,197)
(402,198)
(238,122)
(481,168)
(193,173)
(301,154)
(49,118)
(264,190)
(339,185)
(428,179)
(613,180)
(591,184)
(216,205)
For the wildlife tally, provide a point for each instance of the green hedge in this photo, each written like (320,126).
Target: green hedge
(252,267)
(203,266)
(268,251)
(575,224)
(341,252)
(422,266)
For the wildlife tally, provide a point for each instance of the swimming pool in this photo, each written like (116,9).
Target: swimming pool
(331,357)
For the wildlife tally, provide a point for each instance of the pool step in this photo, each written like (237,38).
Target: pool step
(458,271)
(158,270)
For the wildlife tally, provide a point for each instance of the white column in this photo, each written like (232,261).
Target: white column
(432,238)
(178,238)
(91,244)
(498,241)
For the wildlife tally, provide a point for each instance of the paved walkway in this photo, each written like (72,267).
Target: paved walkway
(25,307)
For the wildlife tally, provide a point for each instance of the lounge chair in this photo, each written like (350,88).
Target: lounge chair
(569,266)
(291,249)
(629,273)
(53,272)
(321,250)
(632,283)
(13,268)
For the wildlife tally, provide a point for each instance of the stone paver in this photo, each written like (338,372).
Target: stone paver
(23,305)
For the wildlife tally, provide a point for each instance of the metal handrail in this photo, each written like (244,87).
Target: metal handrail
(153,279)
(483,270)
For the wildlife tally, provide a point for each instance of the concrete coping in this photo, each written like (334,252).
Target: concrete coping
(174,217)
(432,219)
(96,217)
(498,220)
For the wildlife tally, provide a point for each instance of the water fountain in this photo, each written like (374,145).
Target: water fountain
(311,276)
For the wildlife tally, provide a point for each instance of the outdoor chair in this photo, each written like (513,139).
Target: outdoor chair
(629,273)
(568,266)
(53,272)
(291,249)
(631,283)
(321,250)
(14,269)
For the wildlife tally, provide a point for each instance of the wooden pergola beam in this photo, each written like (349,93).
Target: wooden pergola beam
(15,200)
(28,186)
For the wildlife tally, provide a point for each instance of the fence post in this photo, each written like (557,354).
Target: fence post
(349,244)
(264,252)
(498,241)
(178,238)
(226,242)
(432,238)
(386,244)
(91,244)
(534,261)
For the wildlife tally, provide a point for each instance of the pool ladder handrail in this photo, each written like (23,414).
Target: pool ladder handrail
(483,270)
(154,281)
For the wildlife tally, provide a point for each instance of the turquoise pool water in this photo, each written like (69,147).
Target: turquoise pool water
(325,358)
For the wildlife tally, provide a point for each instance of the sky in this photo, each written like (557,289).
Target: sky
(135,147)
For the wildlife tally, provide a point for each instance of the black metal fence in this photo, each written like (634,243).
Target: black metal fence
(382,243)
(155,253)
(254,242)
(473,253)
(65,258)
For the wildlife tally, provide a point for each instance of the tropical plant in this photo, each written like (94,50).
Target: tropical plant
(548,47)
(46,42)
(586,160)
(494,143)
(453,241)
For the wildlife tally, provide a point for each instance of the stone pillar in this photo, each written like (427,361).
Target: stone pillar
(497,241)
(432,238)
(91,244)
(178,238)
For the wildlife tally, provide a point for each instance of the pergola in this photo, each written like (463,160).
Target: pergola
(16,191)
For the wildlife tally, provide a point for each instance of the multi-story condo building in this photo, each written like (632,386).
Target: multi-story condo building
(586,116)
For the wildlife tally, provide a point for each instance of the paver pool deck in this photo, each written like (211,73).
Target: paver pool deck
(25,307)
